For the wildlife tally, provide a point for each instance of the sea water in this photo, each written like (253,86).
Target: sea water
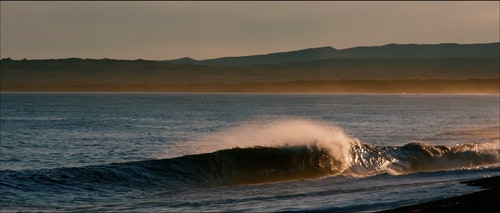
(185,152)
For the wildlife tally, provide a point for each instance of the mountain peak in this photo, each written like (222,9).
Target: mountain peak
(184,60)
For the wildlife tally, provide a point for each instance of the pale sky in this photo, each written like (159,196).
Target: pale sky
(202,30)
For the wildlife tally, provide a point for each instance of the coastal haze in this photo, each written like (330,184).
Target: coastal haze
(392,68)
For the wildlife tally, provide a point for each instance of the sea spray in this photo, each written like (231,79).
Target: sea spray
(281,133)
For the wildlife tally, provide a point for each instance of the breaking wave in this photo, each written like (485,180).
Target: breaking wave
(304,150)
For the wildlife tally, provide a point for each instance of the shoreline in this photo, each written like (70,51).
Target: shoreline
(483,200)
(432,86)
(264,93)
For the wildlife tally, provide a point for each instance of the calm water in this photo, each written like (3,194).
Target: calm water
(241,152)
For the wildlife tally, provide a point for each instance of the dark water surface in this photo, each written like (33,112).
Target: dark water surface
(241,152)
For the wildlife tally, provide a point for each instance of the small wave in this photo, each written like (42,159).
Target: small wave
(421,157)
(486,132)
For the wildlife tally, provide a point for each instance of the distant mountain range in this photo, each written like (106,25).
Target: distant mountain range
(445,50)
(390,68)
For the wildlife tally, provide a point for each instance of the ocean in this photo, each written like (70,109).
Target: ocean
(225,152)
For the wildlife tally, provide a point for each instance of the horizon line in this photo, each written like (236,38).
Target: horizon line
(261,54)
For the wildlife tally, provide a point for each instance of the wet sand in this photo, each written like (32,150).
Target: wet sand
(484,200)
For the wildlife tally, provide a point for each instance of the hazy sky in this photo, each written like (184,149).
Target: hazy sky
(201,30)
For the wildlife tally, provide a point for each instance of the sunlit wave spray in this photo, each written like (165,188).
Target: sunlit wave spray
(315,135)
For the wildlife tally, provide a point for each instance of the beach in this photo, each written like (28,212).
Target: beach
(484,200)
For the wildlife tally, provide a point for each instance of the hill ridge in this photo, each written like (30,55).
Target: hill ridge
(392,50)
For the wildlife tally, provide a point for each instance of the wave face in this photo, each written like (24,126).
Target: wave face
(259,164)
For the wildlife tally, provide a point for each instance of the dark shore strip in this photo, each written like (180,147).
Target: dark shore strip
(485,200)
